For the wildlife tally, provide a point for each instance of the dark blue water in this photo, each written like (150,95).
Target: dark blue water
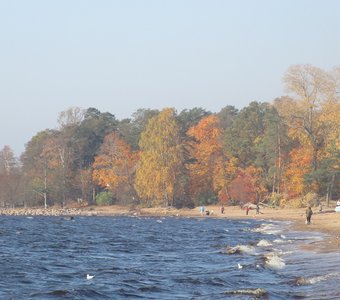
(153,258)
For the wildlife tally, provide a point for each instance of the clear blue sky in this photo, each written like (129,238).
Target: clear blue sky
(119,56)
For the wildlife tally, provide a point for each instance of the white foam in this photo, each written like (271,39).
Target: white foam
(279,241)
(264,243)
(268,229)
(316,279)
(274,262)
(241,248)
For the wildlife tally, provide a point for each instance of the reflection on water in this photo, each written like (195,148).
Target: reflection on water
(161,258)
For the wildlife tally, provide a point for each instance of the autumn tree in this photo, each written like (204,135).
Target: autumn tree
(312,115)
(294,176)
(328,172)
(209,164)
(131,129)
(89,134)
(71,117)
(248,186)
(84,136)
(161,159)
(58,155)
(114,167)
(312,89)
(253,137)
(188,118)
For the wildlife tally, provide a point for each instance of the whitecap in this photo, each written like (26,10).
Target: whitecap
(279,241)
(241,249)
(274,262)
(268,229)
(255,292)
(315,279)
(264,243)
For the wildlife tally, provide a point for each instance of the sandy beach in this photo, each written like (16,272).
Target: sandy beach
(327,221)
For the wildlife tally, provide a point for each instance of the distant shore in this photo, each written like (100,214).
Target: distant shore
(327,221)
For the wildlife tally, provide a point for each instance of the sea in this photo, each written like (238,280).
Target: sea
(162,258)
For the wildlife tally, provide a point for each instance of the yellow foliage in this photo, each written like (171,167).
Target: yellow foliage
(160,159)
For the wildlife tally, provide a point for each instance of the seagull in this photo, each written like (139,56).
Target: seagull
(88,276)
(239,266)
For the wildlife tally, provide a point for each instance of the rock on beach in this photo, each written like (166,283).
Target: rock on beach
(40,212)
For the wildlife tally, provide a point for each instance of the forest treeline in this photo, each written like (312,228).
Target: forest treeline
(274,152)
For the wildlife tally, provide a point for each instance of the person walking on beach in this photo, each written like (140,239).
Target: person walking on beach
(309,213)
(202,209)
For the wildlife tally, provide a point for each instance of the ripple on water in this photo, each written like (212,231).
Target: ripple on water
(175,259)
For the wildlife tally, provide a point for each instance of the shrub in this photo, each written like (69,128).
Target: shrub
(104,198)
(306,200)
(275,199)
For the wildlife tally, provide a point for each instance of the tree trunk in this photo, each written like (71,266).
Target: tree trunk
(45,188)
(93,195)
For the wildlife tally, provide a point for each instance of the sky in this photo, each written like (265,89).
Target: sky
(119,56)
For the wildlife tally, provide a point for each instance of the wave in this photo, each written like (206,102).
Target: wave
(279,241)
(274,262)
(264,243)
(255,292)
(268,229)
(74,293)
(241,249)
(315,279)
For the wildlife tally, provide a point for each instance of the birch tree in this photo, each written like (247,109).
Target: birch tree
(160,159)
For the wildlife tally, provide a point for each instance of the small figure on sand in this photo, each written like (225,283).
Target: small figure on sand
(257,209)
(202,209)
(222,209)
(309,213)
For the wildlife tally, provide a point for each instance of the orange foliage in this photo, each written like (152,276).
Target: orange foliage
(241,189)
(247,186)
(207,151)
(300,164)
(115,164)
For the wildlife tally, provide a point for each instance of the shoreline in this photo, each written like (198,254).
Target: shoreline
(327,222)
